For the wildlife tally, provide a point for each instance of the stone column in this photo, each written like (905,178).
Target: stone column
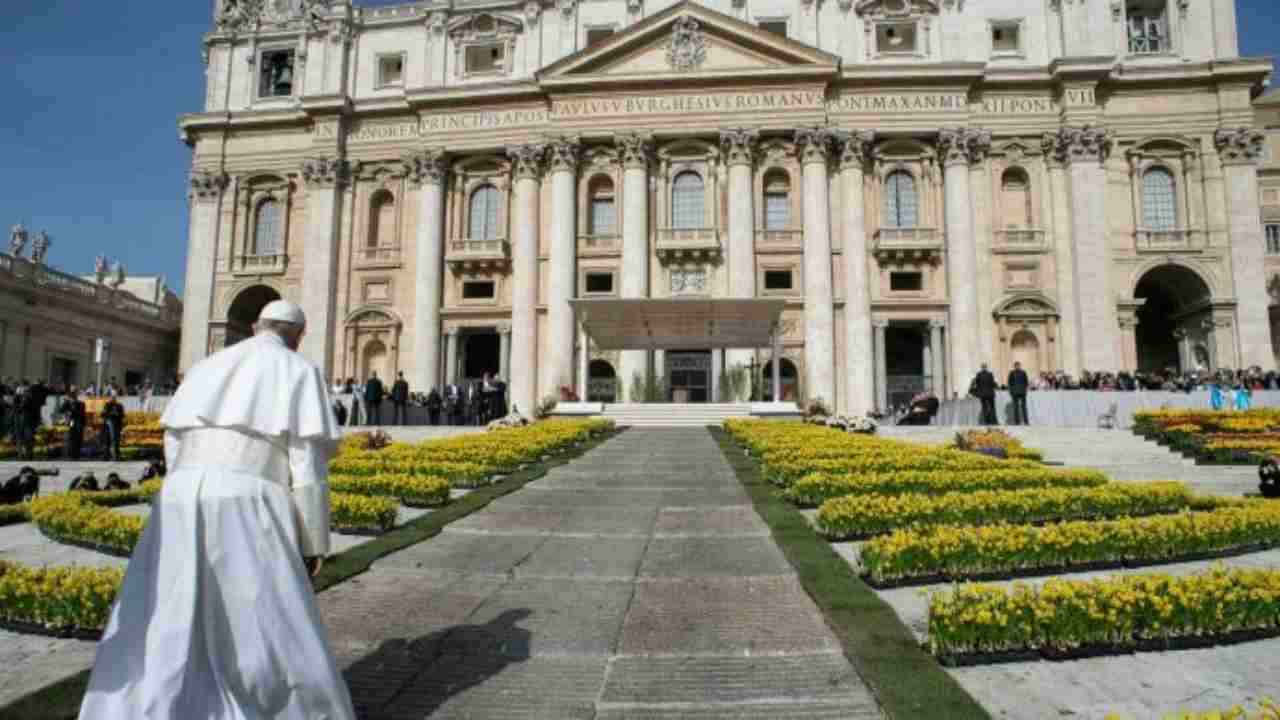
(859,358)
(1063,259)
(1129,342)
(504,351)
(717,366)
(1084,149)
(584,363)
(526,161)
(427,170)
(739,147)
(562,167)
(958,148)
(882,367)
(634,150)
(325,177)
(1238,151)
(938,353)
(775,365)
(451,357)
(202,253)
(814,144)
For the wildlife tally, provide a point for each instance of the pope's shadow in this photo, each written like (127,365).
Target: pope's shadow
(420,675)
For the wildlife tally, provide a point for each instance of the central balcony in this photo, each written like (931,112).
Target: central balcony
(908,245)
(468,255)
(261,264)
(599,245)
(378,256)
(1012,241)
(688,244)
(1162,241)
(779,241)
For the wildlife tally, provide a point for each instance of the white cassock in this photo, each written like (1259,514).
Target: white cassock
(217,618)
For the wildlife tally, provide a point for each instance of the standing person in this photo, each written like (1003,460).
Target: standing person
(399,398)
(1018,383)
(358,414)
(32,404)
(373,396)
(434,403)
(217,619)
(113,418)
(984,388)
(73,410)
(452,403)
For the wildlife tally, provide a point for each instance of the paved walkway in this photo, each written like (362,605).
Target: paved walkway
(635,582)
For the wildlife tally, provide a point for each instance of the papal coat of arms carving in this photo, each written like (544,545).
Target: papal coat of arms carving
(687,48)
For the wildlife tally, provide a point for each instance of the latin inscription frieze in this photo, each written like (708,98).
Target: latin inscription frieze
(688,104)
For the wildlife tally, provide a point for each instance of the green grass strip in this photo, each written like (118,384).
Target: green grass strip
(61,700)
(906,680)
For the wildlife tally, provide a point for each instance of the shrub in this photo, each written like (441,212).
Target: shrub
(815,488)
(362,513)
(71,518)
(412,490)
(58,598)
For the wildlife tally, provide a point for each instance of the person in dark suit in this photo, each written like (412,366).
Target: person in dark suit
(984,388)
(499,398)
(400,398)
(72,408)
(373,395)
(434,405)
(1018,385)
(453,403)
(113,418)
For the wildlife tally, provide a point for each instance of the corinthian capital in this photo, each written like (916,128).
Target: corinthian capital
(325,171)
(527,160)
(1239,146)
(739,145)
(563,153)
(426,167)
(1078,144)
(208,185)
(963,145)
(635,148)
(814,143)
(855,148)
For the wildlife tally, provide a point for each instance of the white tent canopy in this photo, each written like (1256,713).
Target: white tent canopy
(673,324)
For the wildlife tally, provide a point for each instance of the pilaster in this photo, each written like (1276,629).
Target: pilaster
(563,154)
(814,146)
(427,170)
(1238,151)
(325,177)
(206,189)
(635,151)
(527,165)
(740,147)
(859,358)
(1064,257)
(959,148)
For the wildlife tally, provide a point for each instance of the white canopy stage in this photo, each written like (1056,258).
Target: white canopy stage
(676,323)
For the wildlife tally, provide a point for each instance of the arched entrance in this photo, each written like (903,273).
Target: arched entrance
(244,311)
(1025,348)
(602,382)
(1171,320)
(789,379)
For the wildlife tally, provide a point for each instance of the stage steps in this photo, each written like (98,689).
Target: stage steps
(674,414)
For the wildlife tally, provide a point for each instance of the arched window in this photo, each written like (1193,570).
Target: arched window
(1158,211)
(1015,199)
(688,201)
(266,229)
(484,213)
(382,219)
(900,200)
(777,200)
(603,218)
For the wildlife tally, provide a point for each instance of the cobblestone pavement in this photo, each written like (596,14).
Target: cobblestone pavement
(635,582)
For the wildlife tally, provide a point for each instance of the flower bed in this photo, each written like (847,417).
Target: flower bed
(814,489)
(68,601)
(412,490)
(72,519)
(361,514)
(989,440)
(860,516)
(143,438)
(1068,618)
(956,552)
(1217,437)
(13,513)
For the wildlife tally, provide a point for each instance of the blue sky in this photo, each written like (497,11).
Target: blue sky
(89,147)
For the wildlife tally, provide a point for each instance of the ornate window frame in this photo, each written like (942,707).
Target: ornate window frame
(251,193)
(1180,157)
(919,13)
(472,31)
(468,175)
(689,155)
(1175,11)
(274,46)
(1020,25)
(379,80)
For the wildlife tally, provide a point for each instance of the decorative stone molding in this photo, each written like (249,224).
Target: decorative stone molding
(636,149)
(340,32)
(687,48)
(207,185)
(855,149)
(438,22)
(503,328)
(1239,146)
(1078,144)
(896,8)
(814,143)
(527,160)
(325,171)
(1183,7)
(567,7)
(963,146)
(563,153)
(236,16)
(532,11)
(740,145)
(635,7)
(426,167)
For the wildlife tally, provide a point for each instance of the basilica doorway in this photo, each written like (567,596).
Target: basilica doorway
(1172,331)
(905,363)
(689,376)
(602,382)
(1024,348)
(480,353)
(244,311)
(788,378)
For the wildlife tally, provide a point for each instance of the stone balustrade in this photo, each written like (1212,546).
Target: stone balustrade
(1159,241)
(378,256)
(688,243)
(475,254)
(779,240)
(599,245)
(18,270)
(915,243)
(1013,240)
(261,264)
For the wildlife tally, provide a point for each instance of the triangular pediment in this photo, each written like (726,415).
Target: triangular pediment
(688,39)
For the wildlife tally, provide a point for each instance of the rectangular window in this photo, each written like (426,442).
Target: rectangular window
(485,58)
(896,38)
(1273,239)
(391,71)
(1004,39)
(595,35)
(906,282)
(599,283)
(604,218)
(778,280)
(777,27)
(777,211)
(275,73)
(1148,27)
(478,290)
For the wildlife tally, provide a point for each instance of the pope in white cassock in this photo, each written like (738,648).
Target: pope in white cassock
(217,618)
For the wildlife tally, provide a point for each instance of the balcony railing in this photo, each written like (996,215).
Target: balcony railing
(471,254)
(1184,240)
(378,256)
(1019,241)
(260,264)
(909,244)
(681,243)
(100,294)
(599,244)
(779,240)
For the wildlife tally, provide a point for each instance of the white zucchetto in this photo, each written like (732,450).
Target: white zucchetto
(283,311)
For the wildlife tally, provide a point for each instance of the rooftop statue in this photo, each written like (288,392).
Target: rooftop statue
(17,239)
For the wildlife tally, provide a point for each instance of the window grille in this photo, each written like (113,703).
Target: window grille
(1158,208)
(900,201)
(688,201)
(1148,30)
(484,213)
(266,234)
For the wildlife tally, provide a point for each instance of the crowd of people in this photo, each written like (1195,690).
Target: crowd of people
(22,406)
(468,403)
(1170,380)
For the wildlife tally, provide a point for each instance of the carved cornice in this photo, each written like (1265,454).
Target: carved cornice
(325,171)
(248,16)
(855,149)
(1086,143)
(527,160)
(532,11)
(740,145)
(636,149)
(687,48)
(1239,146)
(563,153)
(814,143)
(206,185)
(426,167)
(438,22)
(964,145)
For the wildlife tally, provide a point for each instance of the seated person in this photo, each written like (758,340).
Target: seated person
(923,407)
(86,482)
(155,470)
(115,483)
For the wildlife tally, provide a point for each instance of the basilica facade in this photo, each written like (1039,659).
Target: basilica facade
(927,185)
